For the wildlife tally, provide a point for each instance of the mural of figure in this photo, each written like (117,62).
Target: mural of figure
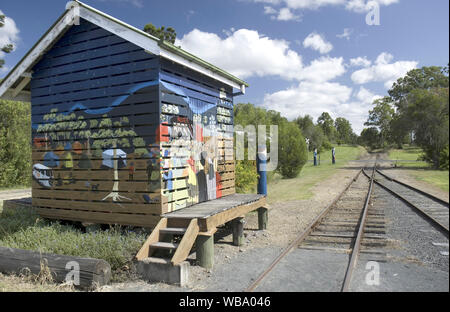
(201,179)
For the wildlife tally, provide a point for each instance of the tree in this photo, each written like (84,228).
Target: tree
(15,148)
(8,47)
(327,124)
(344,130)
(307,127)
(370,137)
(116,135)
(166,34)
(292,150)
(423,78)
(381,116)
(428,111)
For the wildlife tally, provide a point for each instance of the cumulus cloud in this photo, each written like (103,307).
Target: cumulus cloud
(323,69)
(269,10)
(317,42)
(308,97)
(360,62)
(346,34)
(357,6)
(9,33)
(284,14)
(245,53)
(383,71)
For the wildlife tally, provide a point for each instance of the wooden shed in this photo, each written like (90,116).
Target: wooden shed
(125,126)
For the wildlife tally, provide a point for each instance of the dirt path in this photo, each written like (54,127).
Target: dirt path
(14,194)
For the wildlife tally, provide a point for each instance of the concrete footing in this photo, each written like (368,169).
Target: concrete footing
(163,272)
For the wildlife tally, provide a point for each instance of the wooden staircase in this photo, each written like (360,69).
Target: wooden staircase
(170,241)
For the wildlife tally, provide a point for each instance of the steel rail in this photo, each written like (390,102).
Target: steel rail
(437,199)
(439,226)
(301,237)
(357,246)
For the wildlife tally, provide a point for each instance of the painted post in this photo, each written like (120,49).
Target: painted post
(333,156)
(315,157)
(205,251)
(261,166)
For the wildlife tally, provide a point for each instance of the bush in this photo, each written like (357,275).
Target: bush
(246,176)
(292,150)
(15,143)
(443,162)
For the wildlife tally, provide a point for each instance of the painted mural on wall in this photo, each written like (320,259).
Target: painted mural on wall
(174,160)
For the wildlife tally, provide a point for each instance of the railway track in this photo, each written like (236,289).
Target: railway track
(433,209)
(348,225)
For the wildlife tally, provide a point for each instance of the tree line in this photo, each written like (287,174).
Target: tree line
(295,138)
(415,111)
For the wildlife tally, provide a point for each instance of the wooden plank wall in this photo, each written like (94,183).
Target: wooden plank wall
(95,117)
(197,116)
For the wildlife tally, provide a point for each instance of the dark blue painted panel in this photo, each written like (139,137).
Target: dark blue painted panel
(95,73)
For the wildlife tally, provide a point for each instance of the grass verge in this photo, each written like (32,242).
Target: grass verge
(407,158)
(299,188)
(23,228)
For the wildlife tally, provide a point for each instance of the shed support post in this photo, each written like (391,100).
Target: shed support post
(205,251)
(238,231)
(263,216)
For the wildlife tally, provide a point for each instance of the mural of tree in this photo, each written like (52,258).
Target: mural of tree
(115,135)
(107,136)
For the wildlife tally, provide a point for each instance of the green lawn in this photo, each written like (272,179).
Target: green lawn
(280,189)
(407,158)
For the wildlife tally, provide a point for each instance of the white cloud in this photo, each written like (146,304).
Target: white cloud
(9,33)
(318,43)
(245,53)
(383,71)
(285,14)
(136,3)
(269,10)
(358,6)
(360,62)
(308,97)
(314,98)
(323,69)
(346,34)
(363,6)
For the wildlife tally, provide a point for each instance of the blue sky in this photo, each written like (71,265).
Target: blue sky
(299,56)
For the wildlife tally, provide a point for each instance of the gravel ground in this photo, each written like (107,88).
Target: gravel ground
(402,175)
(413,262)
(415,235)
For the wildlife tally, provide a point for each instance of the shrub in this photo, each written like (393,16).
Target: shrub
(292,150)
(443,162)
(246,176)
(15,143)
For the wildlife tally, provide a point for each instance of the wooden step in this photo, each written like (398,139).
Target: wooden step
(158,260)
(163,245)
(173,231)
